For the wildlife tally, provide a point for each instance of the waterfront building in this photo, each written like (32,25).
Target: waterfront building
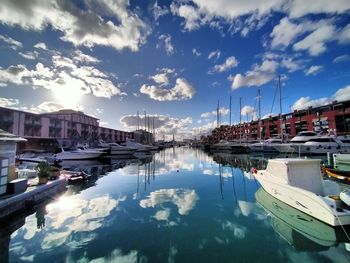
(333,118)
(60,128)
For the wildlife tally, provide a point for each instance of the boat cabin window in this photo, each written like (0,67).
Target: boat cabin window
(345,140)
(306,134)
(275,141)
(322,140)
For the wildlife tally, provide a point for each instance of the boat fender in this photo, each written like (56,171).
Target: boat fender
(345,197)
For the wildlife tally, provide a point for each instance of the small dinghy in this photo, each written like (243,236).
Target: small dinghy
(75,177)
(337,175)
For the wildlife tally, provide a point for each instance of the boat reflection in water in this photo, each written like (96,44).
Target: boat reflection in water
(300,230)
(244,162)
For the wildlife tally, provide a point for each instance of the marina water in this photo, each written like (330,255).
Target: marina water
(180,205)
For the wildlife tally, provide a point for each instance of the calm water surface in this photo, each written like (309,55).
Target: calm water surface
(181,205)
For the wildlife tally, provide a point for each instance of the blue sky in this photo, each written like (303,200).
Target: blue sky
(172,59)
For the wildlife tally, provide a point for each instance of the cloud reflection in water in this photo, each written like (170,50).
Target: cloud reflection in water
(184,199)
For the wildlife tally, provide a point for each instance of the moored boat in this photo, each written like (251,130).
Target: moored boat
(138,146)
(266,145)
(323,145)
(117,149)
(222,145)
(299,183)
(78,154)
(337,175)
(229,146)
(341,161)
(295,142)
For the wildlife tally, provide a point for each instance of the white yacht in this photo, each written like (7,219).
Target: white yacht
(231,146)
(266,145)
(222,145)
(322,145)
(299,183)
(138,146)
(78,154)
(117,149)
(299,139)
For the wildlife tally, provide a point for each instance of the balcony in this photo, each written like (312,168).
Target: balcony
(28,122)
(37,123)
(6,119)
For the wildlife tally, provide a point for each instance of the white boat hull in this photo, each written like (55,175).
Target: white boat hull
(284,148)
(305,201)
(76,155)
(342,158)
(261,148)
(317,149)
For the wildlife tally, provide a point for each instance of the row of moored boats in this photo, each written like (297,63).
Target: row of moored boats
(84,152)
(306,142)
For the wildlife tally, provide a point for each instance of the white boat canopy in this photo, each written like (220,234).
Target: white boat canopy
(303,173)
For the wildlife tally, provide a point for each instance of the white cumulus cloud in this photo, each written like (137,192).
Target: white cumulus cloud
(86,26)
(229,63)
(259,75)
(40,45)
(181,91)
(306,102)
(315,43)
(223,111)
(162,123)
(7,102)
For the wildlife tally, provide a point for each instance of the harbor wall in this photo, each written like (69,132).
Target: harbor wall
(15,204)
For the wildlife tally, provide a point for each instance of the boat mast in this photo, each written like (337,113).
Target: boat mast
(138,120)
(230,108)
(259,109)
(240,120)
(217,114)
(153,130)
(280,92)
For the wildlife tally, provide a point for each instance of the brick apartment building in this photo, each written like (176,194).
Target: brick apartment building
(333,118)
